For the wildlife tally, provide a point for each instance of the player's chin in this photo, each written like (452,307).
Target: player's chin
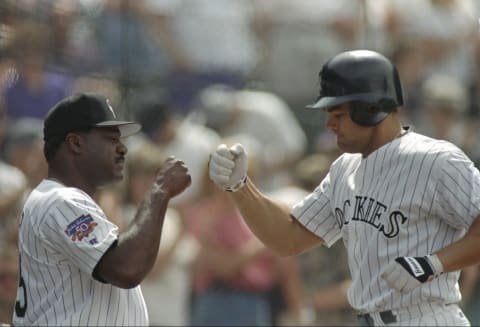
(118,168)
(345,147)
(342,145)
(117,174)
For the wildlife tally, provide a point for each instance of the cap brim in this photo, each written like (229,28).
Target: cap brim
(126,128)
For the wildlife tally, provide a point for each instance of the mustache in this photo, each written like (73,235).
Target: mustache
(120,159)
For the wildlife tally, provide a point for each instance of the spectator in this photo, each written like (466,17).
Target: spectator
(34,89)
(326,289)
(324,292)
(446,102)
(447,47)
(297,35)
(410,62)
(183,138)
(218,44)
(166,288)
(234,275)
(445,99)
(13,187)
(128,50)
(260,115)
(24,149)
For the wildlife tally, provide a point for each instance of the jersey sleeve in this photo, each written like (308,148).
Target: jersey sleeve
(78,228)
(457,194)
(315,213)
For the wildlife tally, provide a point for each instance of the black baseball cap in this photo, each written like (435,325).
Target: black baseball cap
(81,112)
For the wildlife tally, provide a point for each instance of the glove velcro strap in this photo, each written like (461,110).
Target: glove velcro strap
(237,186)
(418,267)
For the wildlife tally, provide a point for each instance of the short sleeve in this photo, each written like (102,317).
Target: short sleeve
(315,213)
(457,195)
(78,228)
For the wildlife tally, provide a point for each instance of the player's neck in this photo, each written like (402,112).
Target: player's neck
(56,180)
(72,181)
(384,133)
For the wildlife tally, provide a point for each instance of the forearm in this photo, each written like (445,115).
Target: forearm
(468,281)
(463,253)
(127,263)
(272,223)
(164,257)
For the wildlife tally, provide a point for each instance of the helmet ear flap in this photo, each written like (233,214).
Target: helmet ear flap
(367,114)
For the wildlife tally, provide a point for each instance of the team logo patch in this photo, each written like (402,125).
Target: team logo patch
(80,227)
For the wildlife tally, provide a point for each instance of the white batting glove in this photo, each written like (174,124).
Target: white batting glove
(227,167)
(404,274)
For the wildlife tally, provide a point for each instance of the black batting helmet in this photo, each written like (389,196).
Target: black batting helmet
(365,79)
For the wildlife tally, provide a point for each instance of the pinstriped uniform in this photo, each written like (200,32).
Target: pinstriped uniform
(63,235)
(411,197)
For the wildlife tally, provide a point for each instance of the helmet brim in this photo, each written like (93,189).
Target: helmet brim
(327,102)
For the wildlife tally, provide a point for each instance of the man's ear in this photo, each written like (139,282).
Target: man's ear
(74,142)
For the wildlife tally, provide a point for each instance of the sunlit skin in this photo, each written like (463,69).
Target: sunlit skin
(353,138)
(89,160)
(105,155)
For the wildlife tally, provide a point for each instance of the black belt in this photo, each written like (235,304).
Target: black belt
(387,317)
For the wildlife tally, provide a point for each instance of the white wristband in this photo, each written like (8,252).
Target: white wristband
(436,264)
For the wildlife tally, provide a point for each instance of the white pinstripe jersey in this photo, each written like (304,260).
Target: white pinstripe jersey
(411,197)
(63,234)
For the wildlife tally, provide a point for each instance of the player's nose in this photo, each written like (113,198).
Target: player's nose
(331,123)
(122,148)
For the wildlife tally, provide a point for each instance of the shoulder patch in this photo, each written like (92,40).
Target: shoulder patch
(80,227)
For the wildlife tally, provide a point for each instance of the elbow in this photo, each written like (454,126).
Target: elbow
(128,276)
(126,281)
(288,252)
(124,277)
(296,246)
(288,249)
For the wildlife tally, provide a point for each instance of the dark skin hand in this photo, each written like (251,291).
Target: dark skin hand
(128,261)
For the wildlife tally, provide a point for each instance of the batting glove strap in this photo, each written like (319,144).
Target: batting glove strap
(421,268)
(237,186)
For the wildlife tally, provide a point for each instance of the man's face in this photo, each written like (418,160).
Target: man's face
(104,155)
(351,138)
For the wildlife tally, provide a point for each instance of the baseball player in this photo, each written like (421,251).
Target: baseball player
(405,205)
(75,267)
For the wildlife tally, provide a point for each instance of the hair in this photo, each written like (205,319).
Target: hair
(51,147)
(52,144)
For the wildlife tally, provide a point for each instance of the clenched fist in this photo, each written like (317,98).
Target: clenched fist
(227,167)
(173,177)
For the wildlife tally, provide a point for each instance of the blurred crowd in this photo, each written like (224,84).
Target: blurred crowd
(197,73)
